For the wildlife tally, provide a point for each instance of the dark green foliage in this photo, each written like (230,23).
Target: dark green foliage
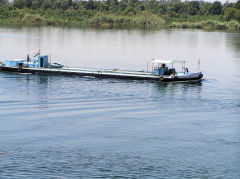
(101,6)
(178,7)
(28,3)
(237,5)
(36,4)
(153,6)
(19,4)
(205,9)
(113,5)
(162,9)
(90,5)
(237,16)
(216,8)
(229,14)
(175,9)
(62,4)
(129,11)
(193,8)
(2,3)
(147,13)
(123,5)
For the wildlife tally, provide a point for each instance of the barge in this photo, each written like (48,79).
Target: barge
(160,71)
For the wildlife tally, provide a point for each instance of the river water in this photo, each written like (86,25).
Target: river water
(73,127)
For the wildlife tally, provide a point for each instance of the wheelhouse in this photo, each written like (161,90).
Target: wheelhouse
(166,67)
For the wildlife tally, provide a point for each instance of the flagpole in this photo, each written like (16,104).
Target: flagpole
(198,64)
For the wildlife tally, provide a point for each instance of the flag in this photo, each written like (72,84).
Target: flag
(36,53)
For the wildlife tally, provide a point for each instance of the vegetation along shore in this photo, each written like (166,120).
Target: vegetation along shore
(124,13)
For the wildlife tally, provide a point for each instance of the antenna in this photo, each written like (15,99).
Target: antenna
(199,64)
(147,65)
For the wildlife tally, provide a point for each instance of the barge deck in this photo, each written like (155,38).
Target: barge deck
(103,73)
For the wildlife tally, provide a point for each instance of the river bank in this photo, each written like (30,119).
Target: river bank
(144,20)
(114,14)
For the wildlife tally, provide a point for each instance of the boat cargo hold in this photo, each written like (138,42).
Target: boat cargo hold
(160,71)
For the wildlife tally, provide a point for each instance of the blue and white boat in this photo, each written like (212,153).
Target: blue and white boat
(160,71)
(168,74)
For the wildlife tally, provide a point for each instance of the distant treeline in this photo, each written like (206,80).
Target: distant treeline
(147,13)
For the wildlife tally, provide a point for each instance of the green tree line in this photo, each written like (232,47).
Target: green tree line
(109,11)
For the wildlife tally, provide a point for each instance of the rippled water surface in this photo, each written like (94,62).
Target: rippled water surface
(72,127)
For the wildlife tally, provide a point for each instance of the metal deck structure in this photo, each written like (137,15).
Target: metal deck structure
(103,73)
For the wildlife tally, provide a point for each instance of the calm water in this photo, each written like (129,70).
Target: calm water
(71,127)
